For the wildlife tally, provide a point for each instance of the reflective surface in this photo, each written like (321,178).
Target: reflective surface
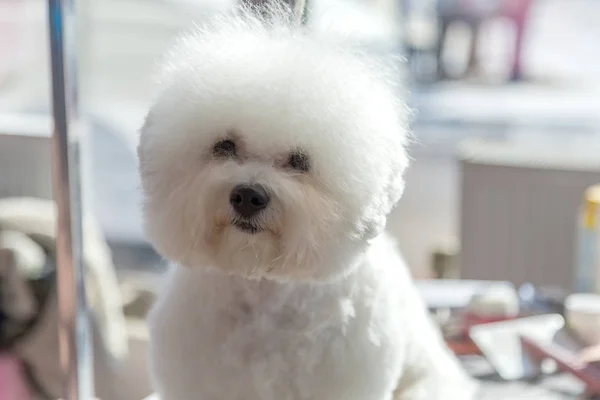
(74,336)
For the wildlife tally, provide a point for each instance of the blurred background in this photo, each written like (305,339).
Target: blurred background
(506,101)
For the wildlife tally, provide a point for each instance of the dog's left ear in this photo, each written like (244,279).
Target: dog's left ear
(376,216)
(395,187)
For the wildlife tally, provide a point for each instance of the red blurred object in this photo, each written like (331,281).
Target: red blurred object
(518,12)
(13,384)
(461,343)
(471,319)
(567,362)
(516,7)
(464,347)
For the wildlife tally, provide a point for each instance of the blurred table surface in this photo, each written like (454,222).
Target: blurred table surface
(555,387)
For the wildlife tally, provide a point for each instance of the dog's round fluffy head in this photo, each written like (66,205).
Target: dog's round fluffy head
(270,152)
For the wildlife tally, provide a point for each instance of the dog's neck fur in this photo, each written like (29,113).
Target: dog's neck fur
(267,284)
(259,293)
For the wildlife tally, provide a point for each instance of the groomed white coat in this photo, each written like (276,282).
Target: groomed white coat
(306,299)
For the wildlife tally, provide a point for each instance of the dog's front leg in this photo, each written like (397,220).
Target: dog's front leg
(431,370)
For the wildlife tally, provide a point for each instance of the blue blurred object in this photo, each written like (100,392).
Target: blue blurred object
(541,300)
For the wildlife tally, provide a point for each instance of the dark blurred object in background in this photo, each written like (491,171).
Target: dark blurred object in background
(471,14)
(474,13)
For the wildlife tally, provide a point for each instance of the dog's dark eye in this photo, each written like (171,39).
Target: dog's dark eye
(224,148)
(299,161)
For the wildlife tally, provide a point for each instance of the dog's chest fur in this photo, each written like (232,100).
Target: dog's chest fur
(216,337)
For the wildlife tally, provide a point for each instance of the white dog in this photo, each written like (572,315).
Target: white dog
(270,161)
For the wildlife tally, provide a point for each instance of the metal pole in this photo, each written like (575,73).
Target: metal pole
(74,336)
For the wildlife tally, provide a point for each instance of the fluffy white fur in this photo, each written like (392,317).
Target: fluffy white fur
(317,304)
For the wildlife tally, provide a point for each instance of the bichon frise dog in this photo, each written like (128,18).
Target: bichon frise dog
(269,162)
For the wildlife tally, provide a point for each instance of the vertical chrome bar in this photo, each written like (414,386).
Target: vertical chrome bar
(74,336)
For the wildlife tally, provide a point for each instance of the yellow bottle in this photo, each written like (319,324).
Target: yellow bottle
(588,268)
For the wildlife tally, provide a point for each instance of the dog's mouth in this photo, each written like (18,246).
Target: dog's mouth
(247,226)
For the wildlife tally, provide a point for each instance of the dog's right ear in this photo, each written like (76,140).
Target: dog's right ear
(148,121)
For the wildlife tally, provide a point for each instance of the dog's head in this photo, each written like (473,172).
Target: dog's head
(270,153)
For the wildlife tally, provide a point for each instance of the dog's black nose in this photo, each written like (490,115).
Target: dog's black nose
(248,200)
